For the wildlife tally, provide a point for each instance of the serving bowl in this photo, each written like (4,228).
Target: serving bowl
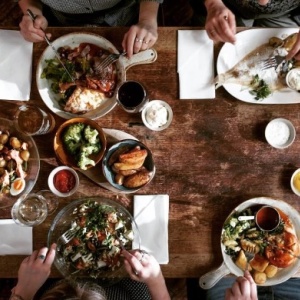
(112,156)
(65,219)
(32,166)
(157,115)
(68,159)
(295,182)
(280,133)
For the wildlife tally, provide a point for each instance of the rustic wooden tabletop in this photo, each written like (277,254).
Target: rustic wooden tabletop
(213,157)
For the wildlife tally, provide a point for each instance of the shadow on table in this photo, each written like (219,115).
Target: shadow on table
(194,291)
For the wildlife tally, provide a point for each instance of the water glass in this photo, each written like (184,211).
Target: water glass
(32,120)
(132,96)
(30,210)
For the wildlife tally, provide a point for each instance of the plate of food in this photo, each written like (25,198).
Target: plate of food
(101,227)
(19,163)
(92,92)
(239,66)
(274,252)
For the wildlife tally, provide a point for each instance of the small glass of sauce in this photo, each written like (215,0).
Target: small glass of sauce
(267,218)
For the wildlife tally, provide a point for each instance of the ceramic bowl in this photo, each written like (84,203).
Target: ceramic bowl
(157,115)
(63,181)
(293,79)
(280,133)
(68,159)
(295,182)
(111,157)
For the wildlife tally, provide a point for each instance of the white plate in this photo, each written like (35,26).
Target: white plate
(209,279)
(51,99)
(246,42)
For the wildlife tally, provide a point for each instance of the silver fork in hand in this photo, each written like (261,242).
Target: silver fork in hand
(68,235)
(111,58)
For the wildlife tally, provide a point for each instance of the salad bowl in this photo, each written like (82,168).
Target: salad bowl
(101,258)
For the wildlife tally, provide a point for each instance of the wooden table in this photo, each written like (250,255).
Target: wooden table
(213,157)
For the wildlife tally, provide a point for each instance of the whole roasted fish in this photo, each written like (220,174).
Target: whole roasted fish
(250,66)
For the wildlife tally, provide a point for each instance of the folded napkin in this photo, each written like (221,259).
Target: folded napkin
(151,213)
(15,66)
(195,65)
(15,239)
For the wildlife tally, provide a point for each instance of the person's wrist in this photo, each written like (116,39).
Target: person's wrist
(210,3)
(23,293)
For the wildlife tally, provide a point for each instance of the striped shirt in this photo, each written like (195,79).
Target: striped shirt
(251,9)
(82,12)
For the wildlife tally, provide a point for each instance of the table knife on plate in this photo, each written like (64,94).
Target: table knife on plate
(33,17)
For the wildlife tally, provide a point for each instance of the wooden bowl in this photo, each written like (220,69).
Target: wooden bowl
(68,159)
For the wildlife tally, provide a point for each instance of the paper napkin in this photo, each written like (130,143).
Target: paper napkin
(151,213)
(195,65)
(15,239)
(15,66)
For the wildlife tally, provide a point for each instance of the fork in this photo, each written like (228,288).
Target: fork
(108,61)
(249,255)
(271,62)
(68,235)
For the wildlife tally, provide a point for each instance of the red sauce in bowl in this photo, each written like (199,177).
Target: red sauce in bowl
(267,218)
(64,181)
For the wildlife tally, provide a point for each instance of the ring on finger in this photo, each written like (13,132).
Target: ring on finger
(143,252)
(41,256)
(135,272)
(145,42)
(138,40)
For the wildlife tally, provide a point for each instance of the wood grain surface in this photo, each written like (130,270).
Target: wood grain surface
(213,157)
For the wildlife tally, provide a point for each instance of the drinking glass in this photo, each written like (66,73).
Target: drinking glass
(32,120)
(132,96)
(32,209)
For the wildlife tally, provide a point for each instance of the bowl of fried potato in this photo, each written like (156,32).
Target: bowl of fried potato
(128,165)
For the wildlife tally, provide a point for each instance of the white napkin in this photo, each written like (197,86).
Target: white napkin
(15,239)
(151,213)
(195,65)
(15,66)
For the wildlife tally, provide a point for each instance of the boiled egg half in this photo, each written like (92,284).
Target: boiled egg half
(17,186)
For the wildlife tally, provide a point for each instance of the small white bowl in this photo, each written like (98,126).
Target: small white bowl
(280,133)
(293,79)
(51,184)
(294,188)
(150,106)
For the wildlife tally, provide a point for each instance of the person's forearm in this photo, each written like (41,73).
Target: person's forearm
(158,289)
(210,3)
(34,5)
(148,11)
(24,293)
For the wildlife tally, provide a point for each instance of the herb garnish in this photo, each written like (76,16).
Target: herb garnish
(260,89)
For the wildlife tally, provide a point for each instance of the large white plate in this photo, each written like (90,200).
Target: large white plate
(51,99)
(247,41)
(228,266)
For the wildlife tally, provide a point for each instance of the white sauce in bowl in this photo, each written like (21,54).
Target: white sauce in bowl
(278,133)
(293,79)
(156,115)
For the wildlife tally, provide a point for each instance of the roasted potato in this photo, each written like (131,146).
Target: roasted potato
(275,42)
(259,277)
(259,263)
(241,260)
(136,180)
(271,271)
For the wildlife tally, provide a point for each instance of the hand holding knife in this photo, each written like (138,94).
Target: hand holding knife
(33,17)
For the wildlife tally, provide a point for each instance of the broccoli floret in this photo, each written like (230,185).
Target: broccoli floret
(91,135)
(74,132)
(84,161)
(72,146)
(88,149)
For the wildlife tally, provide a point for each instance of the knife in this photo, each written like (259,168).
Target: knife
(33,17)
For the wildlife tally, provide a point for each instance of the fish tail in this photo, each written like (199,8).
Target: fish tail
(221,79)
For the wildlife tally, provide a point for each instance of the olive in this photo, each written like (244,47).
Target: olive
(11,165)
(15,142)
(3,138)
(24,154)
(2,171)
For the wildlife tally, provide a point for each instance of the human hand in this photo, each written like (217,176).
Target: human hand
(140,37)
(295,51)
(244,288)
(220,22)
(141,266)
(33,31)
(33,272)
